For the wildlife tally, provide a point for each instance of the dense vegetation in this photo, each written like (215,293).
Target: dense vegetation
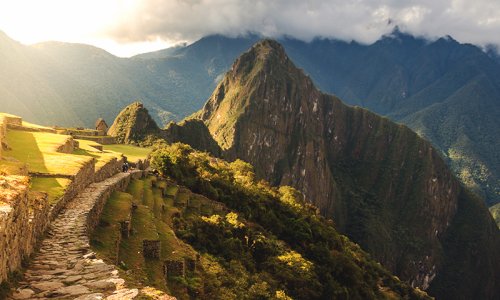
(273,241)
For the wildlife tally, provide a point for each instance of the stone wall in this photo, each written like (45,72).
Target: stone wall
(23,219)
(69,146)
(32,129)
(13,120)
(80,181)
(151,249)
(109,169)
(104,140)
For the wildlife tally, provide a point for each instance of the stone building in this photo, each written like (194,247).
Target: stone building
(101,126)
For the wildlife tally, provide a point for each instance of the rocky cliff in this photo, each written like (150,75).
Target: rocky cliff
(192,132)
(133,123)
(384,186)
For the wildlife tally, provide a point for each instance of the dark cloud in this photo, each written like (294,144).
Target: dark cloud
(475,21)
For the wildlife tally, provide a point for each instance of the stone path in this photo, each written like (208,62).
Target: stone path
(65,267)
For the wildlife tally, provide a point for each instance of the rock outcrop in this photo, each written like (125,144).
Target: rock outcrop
(192,132)
(132,124)
(384,186)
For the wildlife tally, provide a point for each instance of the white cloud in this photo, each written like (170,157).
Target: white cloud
(475,21)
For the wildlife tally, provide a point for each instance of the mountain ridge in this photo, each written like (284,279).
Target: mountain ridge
(354,166)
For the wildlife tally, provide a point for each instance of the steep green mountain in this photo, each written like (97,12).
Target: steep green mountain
(446,91)
(383,185)
(133,123)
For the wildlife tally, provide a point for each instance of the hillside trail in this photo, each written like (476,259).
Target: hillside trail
(65,267)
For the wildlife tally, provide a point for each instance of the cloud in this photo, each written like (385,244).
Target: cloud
(475,21)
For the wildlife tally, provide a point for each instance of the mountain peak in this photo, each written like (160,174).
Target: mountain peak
(133,123)
(262,73)
(265,55)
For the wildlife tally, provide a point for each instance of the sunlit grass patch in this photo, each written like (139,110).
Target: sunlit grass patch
(133,153)
(38,151)
(103,157)
(104,239)
(54,187)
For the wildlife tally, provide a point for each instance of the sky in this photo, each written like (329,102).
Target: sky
(128,27)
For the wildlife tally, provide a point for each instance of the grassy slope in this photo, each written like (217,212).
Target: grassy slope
(54,187)
(149,221)
(102,157)
(38,151)
(133,153)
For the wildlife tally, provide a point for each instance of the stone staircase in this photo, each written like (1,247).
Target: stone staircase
(65,267)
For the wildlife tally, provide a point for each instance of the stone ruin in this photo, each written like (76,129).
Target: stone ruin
(101,127)
(174,268)
(151,249)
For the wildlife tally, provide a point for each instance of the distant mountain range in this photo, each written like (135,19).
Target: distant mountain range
(446,91)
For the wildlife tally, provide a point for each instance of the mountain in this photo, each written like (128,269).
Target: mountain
(383,185)
(133,123)
(446,91)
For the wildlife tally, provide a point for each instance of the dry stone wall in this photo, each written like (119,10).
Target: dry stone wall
(23,219)
(108,170)
(69,146)
(81,180)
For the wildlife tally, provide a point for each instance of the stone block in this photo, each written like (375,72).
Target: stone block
(174,268)
(151,249)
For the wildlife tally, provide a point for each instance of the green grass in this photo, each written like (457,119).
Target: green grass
(104,238)
(182,198)
(172,191)
(149,221)
(102,157)
(38,151)
(133,153)
(54,187)
(136,189)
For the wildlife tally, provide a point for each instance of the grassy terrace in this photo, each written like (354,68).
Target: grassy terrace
(151,220)
(54,187)
(133,153)
(102,157)
(38,151)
